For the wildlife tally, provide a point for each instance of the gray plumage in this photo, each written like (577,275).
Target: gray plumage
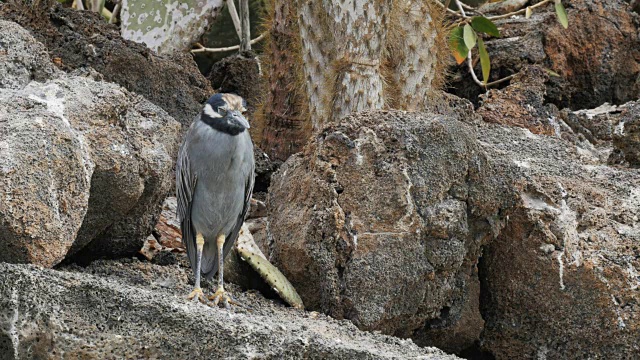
(214,179)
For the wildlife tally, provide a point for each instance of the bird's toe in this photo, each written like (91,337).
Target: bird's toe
(197,295)
(222,297)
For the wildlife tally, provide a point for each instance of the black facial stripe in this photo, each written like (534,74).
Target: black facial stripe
(223,124)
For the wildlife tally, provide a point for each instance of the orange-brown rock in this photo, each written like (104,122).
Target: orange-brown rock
(381,220)
(521,104)
(595,60)
(168,228)
(561,279)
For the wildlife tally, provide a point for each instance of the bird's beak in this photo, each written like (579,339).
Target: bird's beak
(241,119)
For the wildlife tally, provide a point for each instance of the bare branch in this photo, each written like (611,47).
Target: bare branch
(461,8)
(78,5)
(245,43)
(115,14)
(461,14)
(518,12)
(202,49)
(473,73)
(475,77)
(234,16)
(500,80)
(447,9)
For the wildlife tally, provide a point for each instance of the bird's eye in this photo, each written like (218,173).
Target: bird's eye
(222,111)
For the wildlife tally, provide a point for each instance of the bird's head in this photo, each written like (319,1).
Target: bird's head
(223,112)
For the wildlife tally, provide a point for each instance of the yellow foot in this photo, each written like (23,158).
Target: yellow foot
(197,293)
(223,297)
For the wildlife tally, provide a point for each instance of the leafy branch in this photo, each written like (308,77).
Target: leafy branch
(464,35)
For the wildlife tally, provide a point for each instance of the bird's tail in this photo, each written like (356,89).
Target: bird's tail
(209,259)
(210,253)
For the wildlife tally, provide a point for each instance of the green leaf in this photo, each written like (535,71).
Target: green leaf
(484,61)
(469,37)
(562,14)
(456,43)
(482,24)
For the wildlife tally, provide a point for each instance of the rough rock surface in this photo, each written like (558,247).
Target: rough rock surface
(45,177)
(612,129)
(561,280)
(167,229)
(598,126)
(265,167)
(22,58)
(521,104)
(570,250)
(132,309)
(381,220)
(84,163)
(597,58)
(392,211)
(77,39)
(242,75)
(124,149)
(134,144)
(626,138)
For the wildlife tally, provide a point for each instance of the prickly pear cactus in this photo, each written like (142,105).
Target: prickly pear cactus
(250,252)
(167,26)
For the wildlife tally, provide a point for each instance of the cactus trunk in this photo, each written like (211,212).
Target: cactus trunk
(348,56)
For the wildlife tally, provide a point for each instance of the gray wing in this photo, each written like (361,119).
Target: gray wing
(233,235)
(185,186)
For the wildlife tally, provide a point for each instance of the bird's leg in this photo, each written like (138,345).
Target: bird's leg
(221,294)
(197,291)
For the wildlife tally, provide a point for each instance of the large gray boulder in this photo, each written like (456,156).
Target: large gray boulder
(400,222)
(561,279)
(45,178)
(134,310)
(382,218)
(22,58)
(85,163)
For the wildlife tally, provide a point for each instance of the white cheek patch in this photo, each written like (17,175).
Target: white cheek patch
(208,110)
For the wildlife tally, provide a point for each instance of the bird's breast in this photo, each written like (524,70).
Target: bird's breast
(222,164)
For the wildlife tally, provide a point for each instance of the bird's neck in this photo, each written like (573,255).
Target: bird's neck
(223,124)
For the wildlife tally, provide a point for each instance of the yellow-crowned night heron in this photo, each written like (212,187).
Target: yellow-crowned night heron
(214,181)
